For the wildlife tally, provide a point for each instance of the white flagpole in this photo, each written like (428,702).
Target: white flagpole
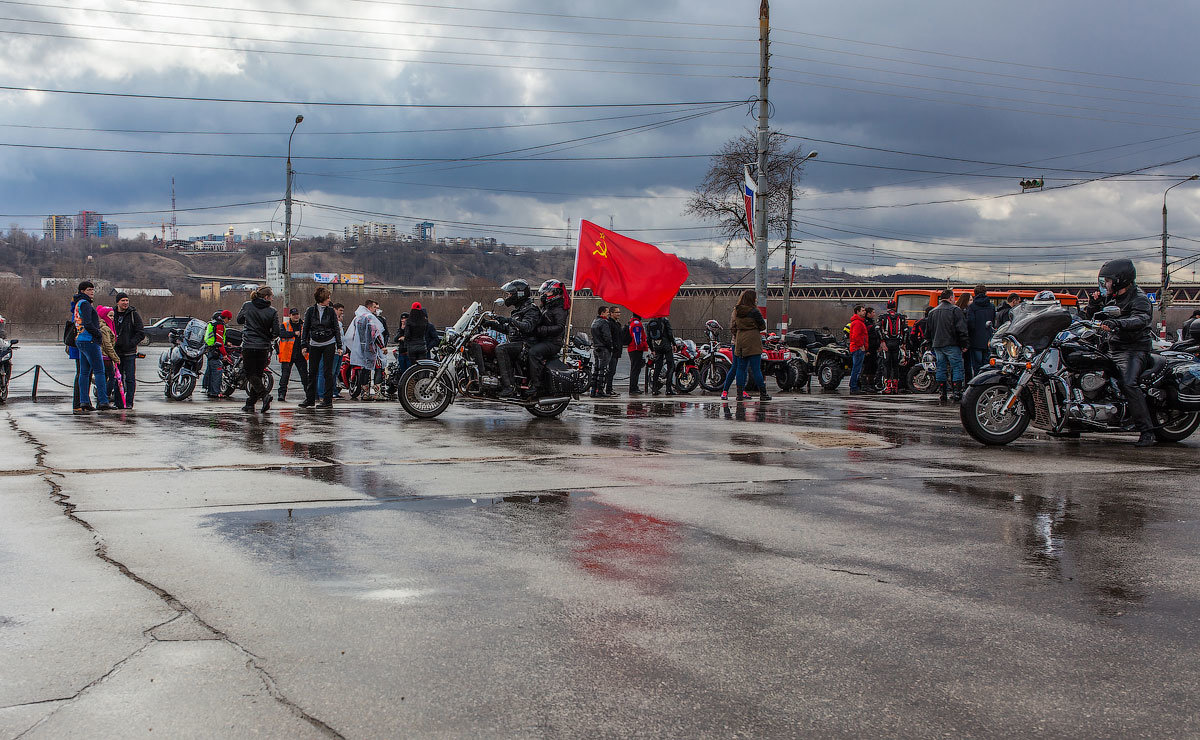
(574,275)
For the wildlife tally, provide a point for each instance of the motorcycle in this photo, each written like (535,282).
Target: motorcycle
(1057,374)
(233,373)
(181,364)
(685,365)
(428,387)
(713,359)
(833,364)
(6,349)
(920,377)
(581,352)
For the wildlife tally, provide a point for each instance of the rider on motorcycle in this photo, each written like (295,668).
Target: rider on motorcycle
(550,332)
(1129,336)
(518,328)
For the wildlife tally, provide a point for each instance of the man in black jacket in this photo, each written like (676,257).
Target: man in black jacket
(519,329)
(550,332)
(946,326)
(131,332)
(662,344)
(1129,336)
(1004,313)
(979,313)
(602,346)
(620,339)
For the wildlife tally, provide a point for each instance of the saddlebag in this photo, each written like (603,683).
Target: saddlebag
(564,381)
(1185,381)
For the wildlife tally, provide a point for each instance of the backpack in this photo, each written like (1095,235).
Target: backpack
(892,326)
(655,328)
(626,338)
(69,333)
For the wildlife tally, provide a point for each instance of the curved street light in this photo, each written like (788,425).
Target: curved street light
(1166,278)
(287,223)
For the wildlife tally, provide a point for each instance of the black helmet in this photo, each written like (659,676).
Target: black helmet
(518,292)
(713,325)
(552,289)
(1121,272)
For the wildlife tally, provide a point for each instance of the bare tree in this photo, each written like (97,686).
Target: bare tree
(718,198)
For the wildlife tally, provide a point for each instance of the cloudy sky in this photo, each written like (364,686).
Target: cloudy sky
(509,117)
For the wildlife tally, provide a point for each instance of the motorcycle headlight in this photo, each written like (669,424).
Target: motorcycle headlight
(1012,350)
(1028,353)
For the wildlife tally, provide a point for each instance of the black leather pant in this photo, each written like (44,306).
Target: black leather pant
(538,355)
(1130,364)
(892,363)
(507,355)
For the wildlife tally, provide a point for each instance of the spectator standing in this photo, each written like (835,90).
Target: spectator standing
(858,344)
(365,341)
(131,332)
(947,330)
(386,336)
(1004,313)
(870,373)
(893,328)
(112,361)
(69,339)
(291,355)
(91,359)
(602,347)
(261,322)
(401,346)
(620,339)
(321,336)
(747,324)
(214,339)
(419,335)
(662,344)
(637,352)
(981,318)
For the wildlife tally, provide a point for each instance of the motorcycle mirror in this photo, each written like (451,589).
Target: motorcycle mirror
(498,302)
(13,342)
(990,325)
(1112,311)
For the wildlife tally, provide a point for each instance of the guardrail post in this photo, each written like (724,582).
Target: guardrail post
(37,374)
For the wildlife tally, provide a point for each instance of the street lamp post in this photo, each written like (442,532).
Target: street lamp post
(787,244)
(1166,278)
(287,223)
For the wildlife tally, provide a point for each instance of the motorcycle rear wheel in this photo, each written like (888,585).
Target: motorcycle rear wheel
(4,385)
(421,395)
(983,420)
(712,374)
(1176,426)
(548,411)
(180,387)
(920,380)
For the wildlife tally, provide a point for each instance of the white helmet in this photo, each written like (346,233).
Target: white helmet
(1045,298)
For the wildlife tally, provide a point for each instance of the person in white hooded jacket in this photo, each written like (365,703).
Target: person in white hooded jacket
(364,340)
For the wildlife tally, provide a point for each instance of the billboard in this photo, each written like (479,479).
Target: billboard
(352,279)
(334,278)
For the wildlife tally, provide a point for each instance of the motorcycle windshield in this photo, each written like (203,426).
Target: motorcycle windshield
(193,333)
(467,317)
(1037,326)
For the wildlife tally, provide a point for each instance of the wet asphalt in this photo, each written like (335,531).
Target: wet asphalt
(817,565)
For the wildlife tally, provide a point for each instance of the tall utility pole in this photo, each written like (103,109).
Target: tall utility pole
(1165,283)
(787,253)
(285,299)
(760,201)
(174,222)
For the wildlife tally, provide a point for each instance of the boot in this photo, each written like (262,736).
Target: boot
(956,391)
(942,389)
(1146,439)
(741,394)
(762,395)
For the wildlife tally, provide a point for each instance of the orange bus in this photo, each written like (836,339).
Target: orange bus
(913,302)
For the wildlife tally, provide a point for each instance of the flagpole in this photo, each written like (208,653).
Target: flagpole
(574,275)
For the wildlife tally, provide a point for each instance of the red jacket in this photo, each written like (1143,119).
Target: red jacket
(858,333)
(637,335)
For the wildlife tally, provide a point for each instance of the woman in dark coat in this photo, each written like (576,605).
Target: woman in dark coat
(746,323)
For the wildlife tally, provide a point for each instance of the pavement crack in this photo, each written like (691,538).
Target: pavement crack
(253,662)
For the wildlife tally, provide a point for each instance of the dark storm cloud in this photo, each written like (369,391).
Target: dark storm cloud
(873,90)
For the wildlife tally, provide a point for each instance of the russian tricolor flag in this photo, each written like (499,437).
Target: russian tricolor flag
(749,193)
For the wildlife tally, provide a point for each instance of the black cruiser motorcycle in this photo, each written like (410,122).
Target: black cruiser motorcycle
(428,388)
(1055,372)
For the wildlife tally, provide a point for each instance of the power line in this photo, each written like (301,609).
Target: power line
(161,210)
(315,103)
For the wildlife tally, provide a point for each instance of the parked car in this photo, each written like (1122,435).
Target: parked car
(158,331)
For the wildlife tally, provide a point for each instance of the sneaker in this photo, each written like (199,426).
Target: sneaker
(724,395)
(306,404)
(745,396)
(325,404)
(105,407)
(763,396)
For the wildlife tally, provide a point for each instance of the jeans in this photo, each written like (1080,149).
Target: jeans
(979,360)
(91,366)
(856,365)
(753,366)
(732,374)
(212,374)
(949,362)
(320,375)
(612,370)
(75,389)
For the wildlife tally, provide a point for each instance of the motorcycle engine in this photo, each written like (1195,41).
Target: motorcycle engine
(1093,385)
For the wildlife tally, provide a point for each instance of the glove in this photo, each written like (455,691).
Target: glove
(1110,324)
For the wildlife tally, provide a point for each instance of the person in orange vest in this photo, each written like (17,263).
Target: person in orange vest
(289,354)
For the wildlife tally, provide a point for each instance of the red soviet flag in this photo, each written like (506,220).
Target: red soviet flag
(624,271)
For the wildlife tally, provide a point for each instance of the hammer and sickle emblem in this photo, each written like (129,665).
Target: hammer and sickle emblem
(601,249)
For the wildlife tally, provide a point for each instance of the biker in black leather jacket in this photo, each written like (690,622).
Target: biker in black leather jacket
(519,328)
(550,331)
(1129,336)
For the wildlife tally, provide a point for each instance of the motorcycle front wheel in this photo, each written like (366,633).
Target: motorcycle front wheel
(180,386)
(686,379)
(1175,426)
(421,394)
(712,374)
(548,411)
(4,384)
(919,380)
(983,415)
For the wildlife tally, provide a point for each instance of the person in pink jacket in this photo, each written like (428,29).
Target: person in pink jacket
(638,346)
